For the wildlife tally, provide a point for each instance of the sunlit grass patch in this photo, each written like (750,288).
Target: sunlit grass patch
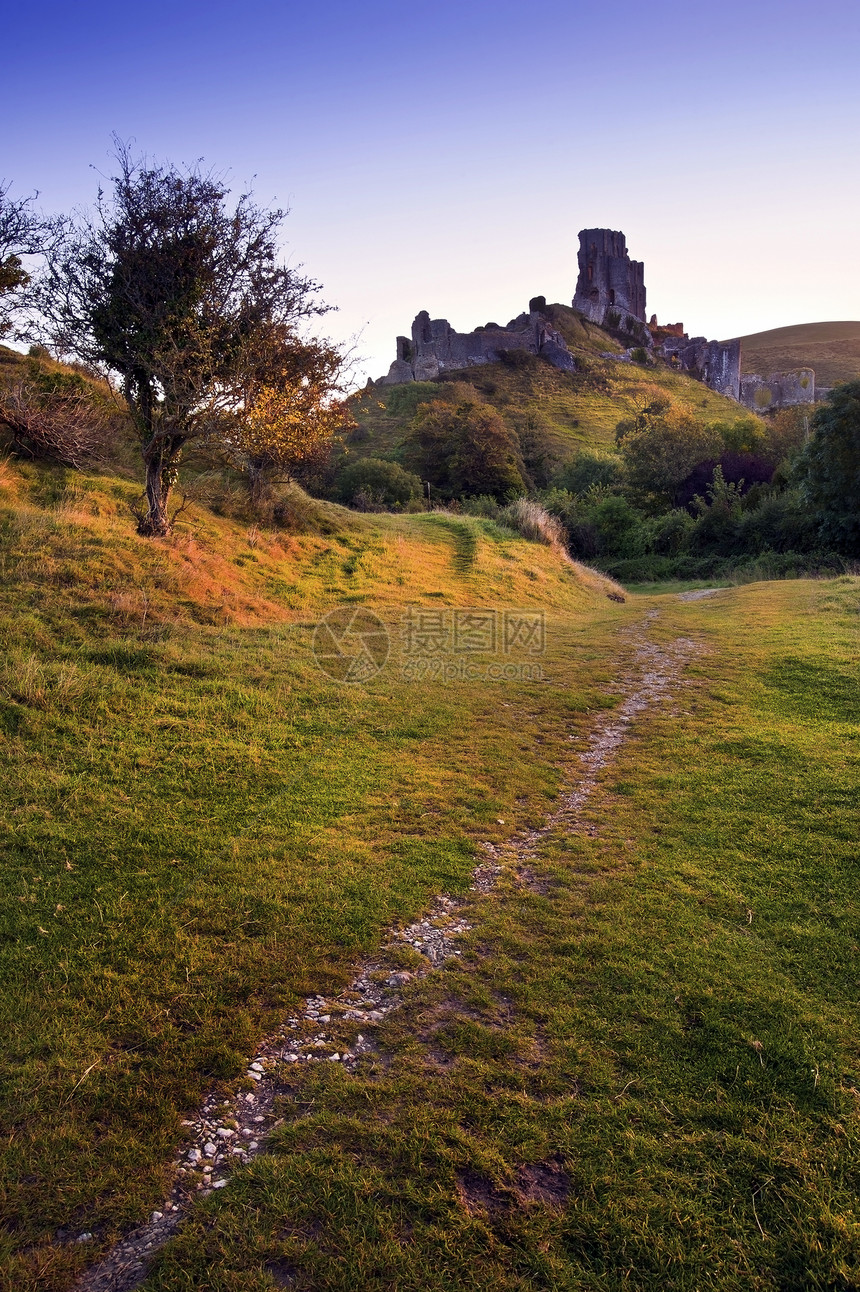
(200,826)
(666,1028)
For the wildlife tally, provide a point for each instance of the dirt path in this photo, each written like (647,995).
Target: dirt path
(226,1134)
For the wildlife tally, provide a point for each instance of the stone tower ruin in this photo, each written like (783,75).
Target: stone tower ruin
(611,287)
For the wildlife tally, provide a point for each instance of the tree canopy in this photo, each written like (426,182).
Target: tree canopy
(829,468)
(22,233)
(465,448)
(184,298)
(293,409)
(661,445)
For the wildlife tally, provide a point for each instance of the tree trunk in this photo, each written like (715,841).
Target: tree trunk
(159,478)
(255,474)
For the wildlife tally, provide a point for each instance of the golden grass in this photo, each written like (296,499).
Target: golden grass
(75,535)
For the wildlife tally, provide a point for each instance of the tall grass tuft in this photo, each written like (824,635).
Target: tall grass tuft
(535,523)
(54,686)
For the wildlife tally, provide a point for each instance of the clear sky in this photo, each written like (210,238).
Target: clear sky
(444,156)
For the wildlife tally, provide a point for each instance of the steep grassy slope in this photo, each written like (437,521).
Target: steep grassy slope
(832,349)
(200,825)
(569,410)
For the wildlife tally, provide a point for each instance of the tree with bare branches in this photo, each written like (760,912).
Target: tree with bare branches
(180,296)
(22,233)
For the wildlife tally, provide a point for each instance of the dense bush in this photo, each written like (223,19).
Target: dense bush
(483,505)
(465,448)
(660,449)
(58,415)
(829,468)
(372,484)
(538,449)
(589,467)
(670,534)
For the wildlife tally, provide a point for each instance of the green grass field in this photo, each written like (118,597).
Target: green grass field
(200,826)
(643,1070)
(663,1033)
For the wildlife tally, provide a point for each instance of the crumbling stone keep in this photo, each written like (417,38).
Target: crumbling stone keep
(435,347)
(610,288)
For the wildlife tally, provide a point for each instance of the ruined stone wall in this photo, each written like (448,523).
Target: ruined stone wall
(610,285)
(435,347)
(779,390)
(716,363)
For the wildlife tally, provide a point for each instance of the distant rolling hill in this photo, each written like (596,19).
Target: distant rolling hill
(832,349)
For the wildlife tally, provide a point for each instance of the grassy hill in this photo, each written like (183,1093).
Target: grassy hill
(570,411)
(832,349)
(641,1068)
(201,824)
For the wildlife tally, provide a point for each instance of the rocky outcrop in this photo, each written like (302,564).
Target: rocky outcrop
(435,347)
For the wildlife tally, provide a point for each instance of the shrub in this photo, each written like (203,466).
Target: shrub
(464,449)
(373,485)
(619,527)
(587,469)
(745,436)
(582,538)
(670,534)
(829,468)
(58,416)
(484,505)
(660,448)
(782,523)
(538,449)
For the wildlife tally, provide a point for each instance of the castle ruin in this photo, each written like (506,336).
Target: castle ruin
(779,390)
(610,292)
(435,347)
(610,289)
(716,363)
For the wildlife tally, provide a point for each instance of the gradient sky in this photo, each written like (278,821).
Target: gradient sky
(444,156)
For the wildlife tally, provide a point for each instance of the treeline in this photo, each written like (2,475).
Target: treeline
(672,498)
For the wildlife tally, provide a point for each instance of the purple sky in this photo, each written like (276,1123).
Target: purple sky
(443,157)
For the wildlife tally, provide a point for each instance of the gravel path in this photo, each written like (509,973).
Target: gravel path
(698,594)
(226,1134)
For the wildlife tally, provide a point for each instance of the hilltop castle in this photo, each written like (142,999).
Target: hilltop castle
(610,291)
(609,283)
